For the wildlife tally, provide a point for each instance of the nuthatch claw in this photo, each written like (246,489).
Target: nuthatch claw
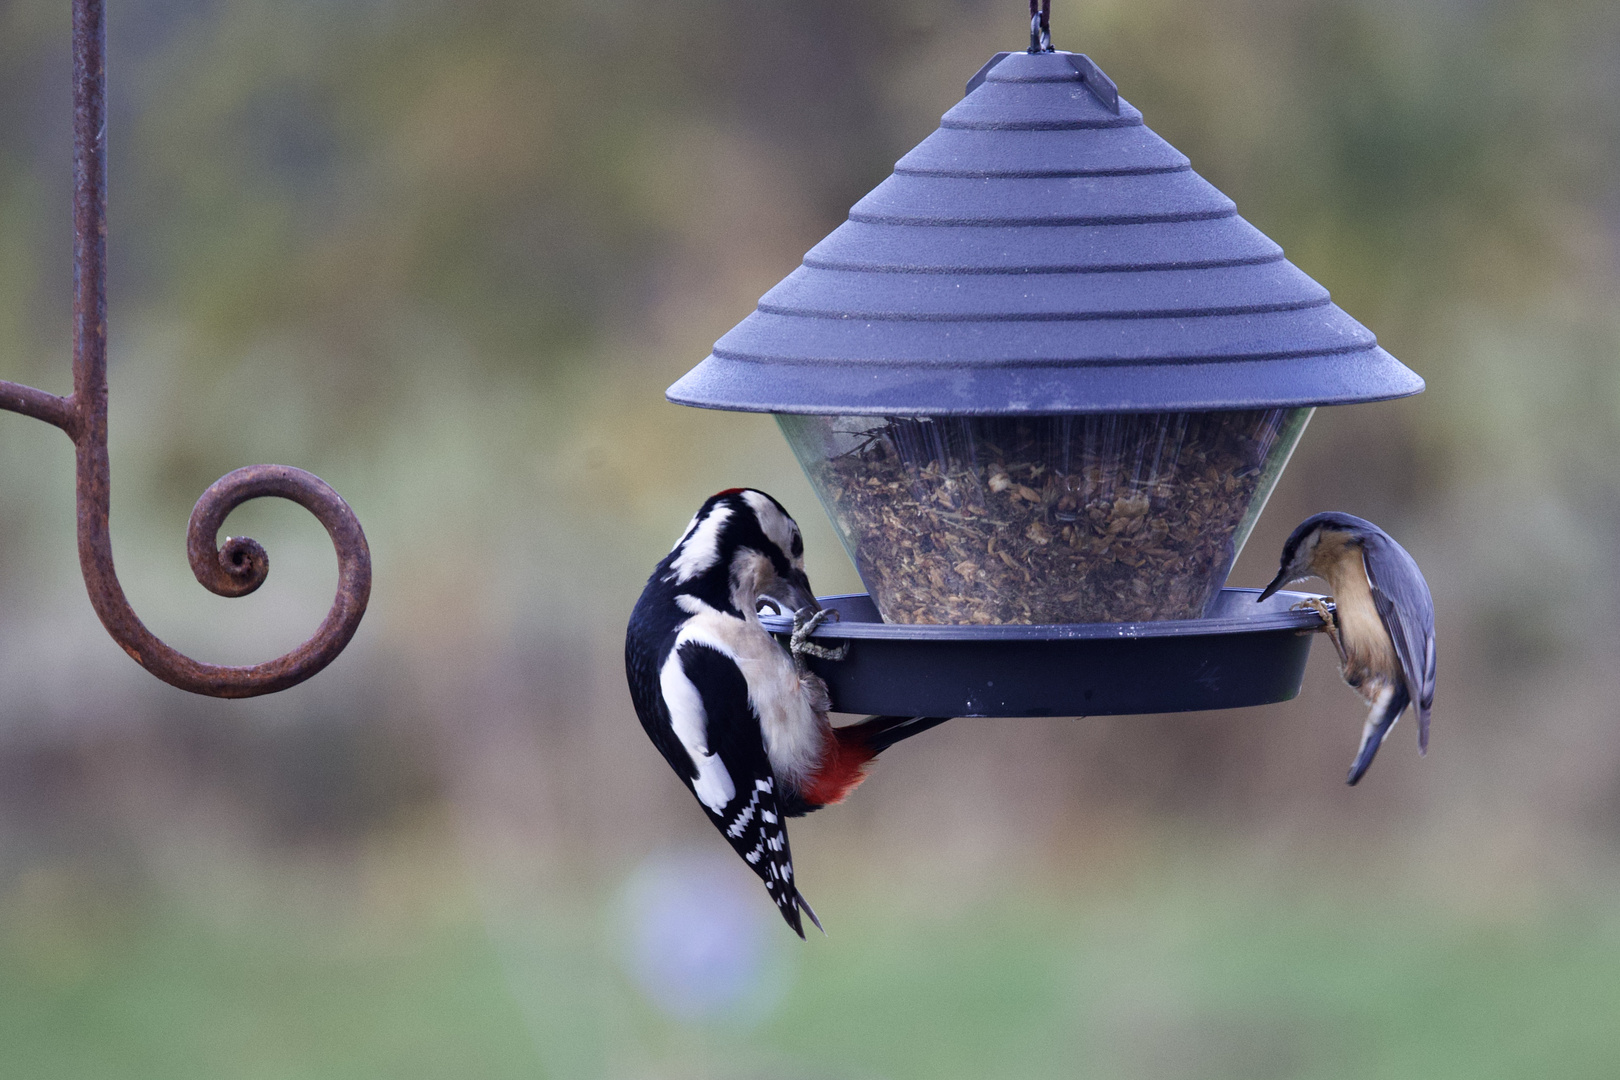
(1381,619)
(1330,625)
(805,622)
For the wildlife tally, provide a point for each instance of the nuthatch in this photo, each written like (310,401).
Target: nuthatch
(1381,621)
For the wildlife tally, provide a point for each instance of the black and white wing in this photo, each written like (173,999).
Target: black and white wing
(1407,610)
(651,636)
(730,772)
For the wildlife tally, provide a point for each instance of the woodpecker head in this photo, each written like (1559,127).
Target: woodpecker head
(1317,544)
(741,546)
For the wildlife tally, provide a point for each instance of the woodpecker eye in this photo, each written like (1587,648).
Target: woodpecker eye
(797,547)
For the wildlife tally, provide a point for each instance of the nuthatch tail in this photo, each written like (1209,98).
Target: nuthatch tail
(1382,622)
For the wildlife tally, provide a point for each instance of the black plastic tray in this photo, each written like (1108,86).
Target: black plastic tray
(1244,653)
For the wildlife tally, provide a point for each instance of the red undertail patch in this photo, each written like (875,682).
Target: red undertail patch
(843,767)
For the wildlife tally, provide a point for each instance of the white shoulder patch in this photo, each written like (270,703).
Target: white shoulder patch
(691,724)
(690,525)
(700,548)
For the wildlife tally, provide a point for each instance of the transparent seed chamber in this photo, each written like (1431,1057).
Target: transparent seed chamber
(1123,517)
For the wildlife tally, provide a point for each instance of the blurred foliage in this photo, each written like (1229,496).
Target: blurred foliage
(448,255)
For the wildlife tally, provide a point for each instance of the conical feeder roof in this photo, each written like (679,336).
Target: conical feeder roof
(1043,252)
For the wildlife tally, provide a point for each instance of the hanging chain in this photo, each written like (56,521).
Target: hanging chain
(1040,26)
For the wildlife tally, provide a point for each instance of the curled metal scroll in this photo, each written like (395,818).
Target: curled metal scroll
(238,567)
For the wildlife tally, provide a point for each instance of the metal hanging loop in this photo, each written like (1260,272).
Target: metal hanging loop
(241,566)
(1040,26)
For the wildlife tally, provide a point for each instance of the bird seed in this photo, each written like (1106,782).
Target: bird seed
(1110,518)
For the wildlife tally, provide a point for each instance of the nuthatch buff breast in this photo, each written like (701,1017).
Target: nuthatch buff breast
(1382,623)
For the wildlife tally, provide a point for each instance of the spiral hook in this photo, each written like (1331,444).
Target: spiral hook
(240,564)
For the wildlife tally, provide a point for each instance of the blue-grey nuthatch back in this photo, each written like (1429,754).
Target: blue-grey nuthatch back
(1381,622)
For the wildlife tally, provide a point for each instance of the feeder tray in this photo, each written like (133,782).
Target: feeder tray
(1243,654)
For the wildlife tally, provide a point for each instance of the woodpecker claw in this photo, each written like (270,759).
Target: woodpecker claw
(805,623)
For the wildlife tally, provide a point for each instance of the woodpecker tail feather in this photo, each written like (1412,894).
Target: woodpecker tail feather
(785,893)
(799,899)
(789,907)
(1385,711)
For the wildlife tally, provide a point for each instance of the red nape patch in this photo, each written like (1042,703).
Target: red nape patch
(843,767)
(728,491)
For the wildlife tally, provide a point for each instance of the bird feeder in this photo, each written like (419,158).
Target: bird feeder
(1044,380)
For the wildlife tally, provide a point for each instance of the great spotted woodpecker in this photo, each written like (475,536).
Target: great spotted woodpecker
(739,718)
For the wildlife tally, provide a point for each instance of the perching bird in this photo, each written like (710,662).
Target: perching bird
(738,717)
(1381,621)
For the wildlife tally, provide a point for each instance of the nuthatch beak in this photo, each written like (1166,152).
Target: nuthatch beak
(1382,624)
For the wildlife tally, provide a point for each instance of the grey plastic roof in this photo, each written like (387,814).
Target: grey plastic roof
(1041,253)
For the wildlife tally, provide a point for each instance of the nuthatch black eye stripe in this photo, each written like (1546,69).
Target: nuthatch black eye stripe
(1382,623)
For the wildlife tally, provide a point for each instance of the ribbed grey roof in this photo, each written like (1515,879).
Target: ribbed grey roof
(1042,253)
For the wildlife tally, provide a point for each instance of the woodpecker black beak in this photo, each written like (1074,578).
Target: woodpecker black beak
(1276,583)
(805,597)
(793,592)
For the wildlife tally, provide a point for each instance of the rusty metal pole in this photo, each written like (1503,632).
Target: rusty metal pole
(240,566)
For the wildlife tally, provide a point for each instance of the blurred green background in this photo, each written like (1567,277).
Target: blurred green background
(449,254)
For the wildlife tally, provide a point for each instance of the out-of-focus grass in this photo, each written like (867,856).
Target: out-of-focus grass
(162,997)
(1191,977)
(1212,984)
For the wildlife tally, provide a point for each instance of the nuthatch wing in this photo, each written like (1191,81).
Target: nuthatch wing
(1381,623)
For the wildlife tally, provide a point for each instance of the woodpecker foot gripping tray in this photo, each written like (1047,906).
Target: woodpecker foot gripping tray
(1044,380)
